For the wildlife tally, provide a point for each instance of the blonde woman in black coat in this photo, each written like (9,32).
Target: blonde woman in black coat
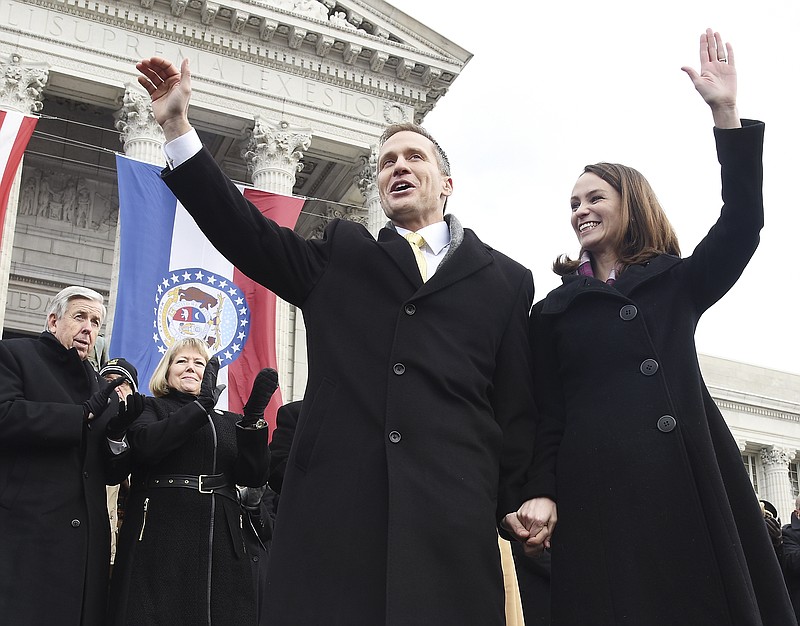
(657,521)
(181,557)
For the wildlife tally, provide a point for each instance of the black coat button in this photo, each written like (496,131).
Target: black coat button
(86,474)
(649,367)
(399,369)
(666,423)
(628,312)
(76,523)
(410,309)
(395,437)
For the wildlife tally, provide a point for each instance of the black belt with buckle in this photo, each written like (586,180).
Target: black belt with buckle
(219,484)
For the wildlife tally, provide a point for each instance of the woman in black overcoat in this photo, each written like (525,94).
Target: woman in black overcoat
(181,557)
(658,523)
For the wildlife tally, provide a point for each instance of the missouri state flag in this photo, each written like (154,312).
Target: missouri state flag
(173,283)
(15,132)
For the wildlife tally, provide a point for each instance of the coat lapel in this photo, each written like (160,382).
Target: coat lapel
(572,287)
(637,275)
(400,252)
(631,279)
(471,256)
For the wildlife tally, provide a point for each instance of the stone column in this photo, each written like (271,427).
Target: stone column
(273,152)
(367,181)
(777,487)
(21,89)
(141,139)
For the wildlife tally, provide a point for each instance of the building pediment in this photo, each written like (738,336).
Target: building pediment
(368,46)
(343,69)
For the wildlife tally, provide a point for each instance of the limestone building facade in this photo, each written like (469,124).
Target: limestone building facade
(762,409)
(290,96)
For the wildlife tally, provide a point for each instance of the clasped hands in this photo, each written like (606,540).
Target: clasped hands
(129,409)
(532,524)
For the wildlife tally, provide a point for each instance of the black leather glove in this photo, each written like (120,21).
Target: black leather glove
(264,386)
(98,401)
(210,391)
(129,410)
(250,497)
(774,530)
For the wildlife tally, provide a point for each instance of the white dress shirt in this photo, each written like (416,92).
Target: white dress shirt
(437,241)
(182,148)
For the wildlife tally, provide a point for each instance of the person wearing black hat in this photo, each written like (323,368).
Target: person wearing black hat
(120,368)
(111,371)
(773,524)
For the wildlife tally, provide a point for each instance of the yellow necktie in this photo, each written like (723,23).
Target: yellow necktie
(416,241)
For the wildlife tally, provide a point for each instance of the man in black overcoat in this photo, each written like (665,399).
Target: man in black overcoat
(533,575)
(57,453)
(791,557)
(281,443)
(415,431)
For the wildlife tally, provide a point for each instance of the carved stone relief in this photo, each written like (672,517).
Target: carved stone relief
(76,201)
(327,11)
(311,8)
(337,211)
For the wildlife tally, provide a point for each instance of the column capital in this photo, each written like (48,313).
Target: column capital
(141,136)
(774,455)
(273,151)
(777,487)
(22,85)
(366,177)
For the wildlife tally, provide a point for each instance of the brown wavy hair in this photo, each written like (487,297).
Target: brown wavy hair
(646,232)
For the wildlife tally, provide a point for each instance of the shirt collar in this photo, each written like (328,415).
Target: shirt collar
(436,235)
(585,268)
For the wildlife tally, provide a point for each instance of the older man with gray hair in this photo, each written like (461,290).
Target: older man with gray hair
(55,460)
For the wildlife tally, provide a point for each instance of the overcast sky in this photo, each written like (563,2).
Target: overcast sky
(553,86)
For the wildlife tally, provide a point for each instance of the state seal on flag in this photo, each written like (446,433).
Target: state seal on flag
(193,302)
